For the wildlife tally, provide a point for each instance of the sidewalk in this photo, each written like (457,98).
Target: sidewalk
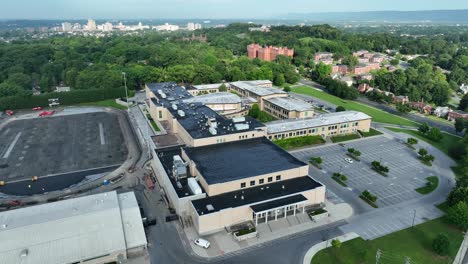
(462,252)
(224,243)
(325,244)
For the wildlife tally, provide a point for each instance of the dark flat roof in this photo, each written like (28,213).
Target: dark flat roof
(278,203)
(241,159)
(255,195)
(196,114)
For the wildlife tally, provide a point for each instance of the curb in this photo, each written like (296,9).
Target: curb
(326,244)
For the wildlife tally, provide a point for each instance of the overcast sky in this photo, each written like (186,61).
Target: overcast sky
(139,9)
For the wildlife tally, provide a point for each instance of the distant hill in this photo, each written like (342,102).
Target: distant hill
(434,16)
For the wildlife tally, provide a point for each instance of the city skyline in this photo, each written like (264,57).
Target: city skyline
(163,9)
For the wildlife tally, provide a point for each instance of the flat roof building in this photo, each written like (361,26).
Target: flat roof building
(288,107)
(99,228)
(324,125)
(223,102)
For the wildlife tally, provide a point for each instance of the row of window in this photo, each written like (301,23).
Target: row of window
(311,131)
(246,136)
(260,181)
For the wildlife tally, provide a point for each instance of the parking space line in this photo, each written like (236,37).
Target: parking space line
(12,145)
(6,132)
(101,134)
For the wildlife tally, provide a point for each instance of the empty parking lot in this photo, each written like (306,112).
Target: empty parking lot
(69,146)
(406,171)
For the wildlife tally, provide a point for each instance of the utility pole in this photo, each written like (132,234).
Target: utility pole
(126,92)
(414,217)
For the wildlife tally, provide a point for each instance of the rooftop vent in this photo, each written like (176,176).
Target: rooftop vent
(282,187)
(242,197)
(24,253)
(209,207)
(3,226)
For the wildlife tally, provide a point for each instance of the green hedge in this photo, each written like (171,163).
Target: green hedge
(67,98)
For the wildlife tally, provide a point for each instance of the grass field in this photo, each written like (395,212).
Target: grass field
(291,143)
(415,243)
(372,132)
(341,138)
(106,103)
(376,114)
(444,145)
(431,185)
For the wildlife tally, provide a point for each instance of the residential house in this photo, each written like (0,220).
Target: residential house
(347,80)
(400,99)
(457,114)
(442,111)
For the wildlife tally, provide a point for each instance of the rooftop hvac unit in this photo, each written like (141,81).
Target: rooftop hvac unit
(213,131)
(179,169)
(181,113)
(241,126)
(174,106)
(160,92)
(193,186)
(238,119)
(163,95)
(212,122)
(209,207)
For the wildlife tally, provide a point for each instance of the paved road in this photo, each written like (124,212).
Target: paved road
(386,108)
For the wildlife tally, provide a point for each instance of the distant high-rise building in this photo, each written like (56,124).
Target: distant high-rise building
(193,26)
(166,27)
(67,27)
(91,26)
(268,53)
(107,27)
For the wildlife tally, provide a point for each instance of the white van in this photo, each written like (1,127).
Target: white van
(202,243)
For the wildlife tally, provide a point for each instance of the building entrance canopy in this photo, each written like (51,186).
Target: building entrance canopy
(278,208)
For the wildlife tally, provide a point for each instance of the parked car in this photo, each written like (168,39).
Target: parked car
(202,243)
(349,160)
(9,112)
(46,113)
(171,218)
(38,108)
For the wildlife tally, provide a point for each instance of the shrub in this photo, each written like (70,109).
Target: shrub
(412,141)
(336,243)
(441,244)
(317,160)
(458,215)
(340,109)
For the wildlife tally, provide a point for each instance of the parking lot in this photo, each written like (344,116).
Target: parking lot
(68,146)
(406,171)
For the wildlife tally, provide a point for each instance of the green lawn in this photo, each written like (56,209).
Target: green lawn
(444,145)
(431,185)
(297,142)
(153,124)
(376,114)
(341,138)
(106,103)
(372,132)
(415,243)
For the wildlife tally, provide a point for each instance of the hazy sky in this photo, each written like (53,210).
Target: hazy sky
(70,9)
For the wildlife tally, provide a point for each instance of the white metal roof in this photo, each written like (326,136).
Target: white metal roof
(290,103)
(259,82)
(71,230)
(215,98)
(209,86)
(322,120)
(260,91)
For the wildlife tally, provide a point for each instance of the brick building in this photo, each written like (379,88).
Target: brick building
(268,53)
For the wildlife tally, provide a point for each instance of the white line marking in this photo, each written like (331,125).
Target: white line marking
(12,145)
(6,132)
(101,134)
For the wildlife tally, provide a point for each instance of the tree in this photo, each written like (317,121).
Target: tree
(322,70)
(340,108)
(222,88)
(394,62)
(424,128)
(403,108)
(412,141)
(350,61)
(458,214)
(459,194)
(279,79)
(422,152)
(336,243)
(459,124)
(317,160)
(255,111)
(287,89)
(21,79)
(441,244)
(435,134)
(463,105)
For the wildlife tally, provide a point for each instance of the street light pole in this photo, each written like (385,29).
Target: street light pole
(126,92)
(414,216)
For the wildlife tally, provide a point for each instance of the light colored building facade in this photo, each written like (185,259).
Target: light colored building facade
(95,229)
(287,108)
(452,116)
(325,125)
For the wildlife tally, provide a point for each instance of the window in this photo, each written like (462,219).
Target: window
(261,181)
(278,177)
(243,185)
(270,179)
(160,114)
(252,183)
